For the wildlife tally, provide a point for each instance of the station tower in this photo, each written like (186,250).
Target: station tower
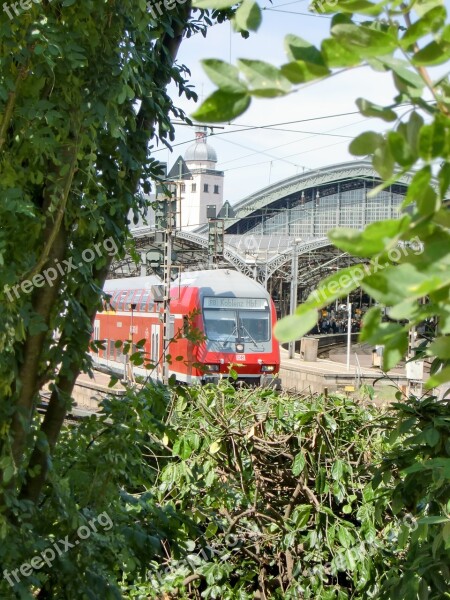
(202,183)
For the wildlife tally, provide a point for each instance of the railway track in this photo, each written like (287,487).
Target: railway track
(73,417)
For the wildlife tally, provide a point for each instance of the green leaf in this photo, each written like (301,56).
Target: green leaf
(442,376)
(368,41)
(418,188)
(433,520)
(352,6)
(432,436)
(369,109)
(182,448)
(394,350)
(214,447)
(374,239)
(8,473)
(433,54)
(211,530)
(299,464)
(433,139)
(335,286)
(405,310)
(393,285)
(113,381)
(413,128)
(440,347)
(336,55)
(345,538)
(403,72)
(427,201)
(444,179)
(432,21)
(301,514)
(222,106)
(383,161)
(265,79)
(337,469)
(400,149)
(224,75)
(370,323)
(365,143)
(248,16)
(423,7)
(295,326)
(299,49)
(300,72)
(215,4)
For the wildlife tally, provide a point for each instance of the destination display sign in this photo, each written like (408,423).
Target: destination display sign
(244,303)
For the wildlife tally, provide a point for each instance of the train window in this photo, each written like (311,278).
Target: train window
(144,299)
(137,299)
(246,325)
(129,298)
(254,325)
(121,300)
(220,324)
(114,300)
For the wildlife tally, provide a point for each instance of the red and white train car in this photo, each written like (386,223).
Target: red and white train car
(235,314)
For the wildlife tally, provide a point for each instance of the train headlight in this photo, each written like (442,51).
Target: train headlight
(239,347)
(212,368)
(267,368)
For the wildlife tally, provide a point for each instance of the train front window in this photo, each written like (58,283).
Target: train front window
(220,325)
(248,321)
(254,326)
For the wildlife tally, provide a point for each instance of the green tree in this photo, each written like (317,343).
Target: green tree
(82,96)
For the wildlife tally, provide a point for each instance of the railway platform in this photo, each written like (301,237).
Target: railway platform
(330,373)
(327,373)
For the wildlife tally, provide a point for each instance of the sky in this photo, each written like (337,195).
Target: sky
(251,160)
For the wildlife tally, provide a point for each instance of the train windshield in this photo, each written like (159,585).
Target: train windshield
(220,325)
(249,321)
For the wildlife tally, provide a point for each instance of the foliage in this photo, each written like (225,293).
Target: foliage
(418,467)
(213,490)
(409,256)
(218,492)
(104,464)
(279,490)
(82,99)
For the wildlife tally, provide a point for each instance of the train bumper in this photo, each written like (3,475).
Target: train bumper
(264,380)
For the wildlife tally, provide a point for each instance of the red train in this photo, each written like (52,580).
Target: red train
(233,314)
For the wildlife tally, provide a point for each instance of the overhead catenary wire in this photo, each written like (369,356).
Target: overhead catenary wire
(289,12)
(288,156)
(289,143)
(254,127)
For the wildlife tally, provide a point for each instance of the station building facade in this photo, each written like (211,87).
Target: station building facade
(278,229)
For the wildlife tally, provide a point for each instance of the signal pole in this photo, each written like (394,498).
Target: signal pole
(294,292)
(167,270)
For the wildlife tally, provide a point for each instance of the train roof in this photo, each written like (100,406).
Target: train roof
(132,283)
(221,282)
(225,282)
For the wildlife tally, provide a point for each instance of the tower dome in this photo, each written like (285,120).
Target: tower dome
(200,151)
